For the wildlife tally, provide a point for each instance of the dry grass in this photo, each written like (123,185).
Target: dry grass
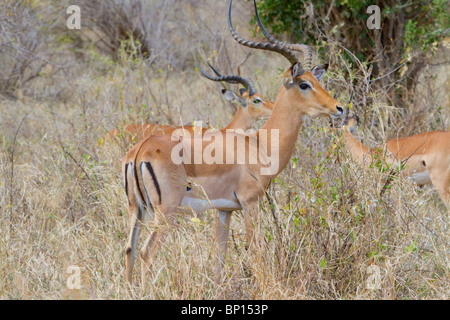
(328,232)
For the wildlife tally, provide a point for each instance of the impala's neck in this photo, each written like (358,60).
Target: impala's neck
(241,120)
(288,123)
(356,148)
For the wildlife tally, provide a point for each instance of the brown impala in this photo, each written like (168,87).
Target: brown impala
(159,185)
(252,107)
(425,156)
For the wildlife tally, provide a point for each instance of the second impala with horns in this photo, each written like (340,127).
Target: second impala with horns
(252,107)
(156,185)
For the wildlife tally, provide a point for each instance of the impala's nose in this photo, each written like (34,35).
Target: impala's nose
(338,114)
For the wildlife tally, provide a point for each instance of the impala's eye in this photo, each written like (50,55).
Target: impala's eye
(304,86)
(256,101)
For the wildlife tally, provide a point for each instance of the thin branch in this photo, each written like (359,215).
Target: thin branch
(11,193)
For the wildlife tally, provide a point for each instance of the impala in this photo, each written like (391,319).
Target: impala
(158,187)
(252,107)
(423,157)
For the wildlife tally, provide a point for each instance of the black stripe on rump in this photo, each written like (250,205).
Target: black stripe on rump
(152,173)
(126,180)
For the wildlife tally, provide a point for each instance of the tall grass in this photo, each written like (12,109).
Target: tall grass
(330,229)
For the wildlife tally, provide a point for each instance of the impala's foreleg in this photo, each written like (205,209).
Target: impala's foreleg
(251,220)
(440,178)
(250,205)
(222,230)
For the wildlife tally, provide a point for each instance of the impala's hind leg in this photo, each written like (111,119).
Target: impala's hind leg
(164,188)
(154,241)
(134,216)
(134,225)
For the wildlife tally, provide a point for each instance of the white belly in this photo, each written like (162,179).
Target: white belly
(199,205)
(421,178)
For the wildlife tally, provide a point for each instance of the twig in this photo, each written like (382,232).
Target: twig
(242,63)
(275,219)
(11,193)
(67,65)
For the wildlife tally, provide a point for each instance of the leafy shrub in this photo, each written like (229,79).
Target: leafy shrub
(396,50)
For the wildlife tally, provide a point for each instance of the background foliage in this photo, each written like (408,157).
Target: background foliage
(409,29)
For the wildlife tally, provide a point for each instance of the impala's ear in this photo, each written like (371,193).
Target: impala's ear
(231,96)
(242,91)
(351,122)
(319,71)
(295,70)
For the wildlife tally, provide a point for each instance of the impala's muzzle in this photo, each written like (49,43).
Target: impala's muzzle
(340,112)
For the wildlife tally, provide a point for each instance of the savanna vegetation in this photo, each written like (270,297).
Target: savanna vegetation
(332,230)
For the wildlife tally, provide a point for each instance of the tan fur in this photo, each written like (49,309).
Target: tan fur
(243,119)
(427,152)
(238,186)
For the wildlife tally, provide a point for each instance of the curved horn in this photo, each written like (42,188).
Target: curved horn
(305,49)
(261,26)
(247,83)
(251,86)
(275,47)
(214,70)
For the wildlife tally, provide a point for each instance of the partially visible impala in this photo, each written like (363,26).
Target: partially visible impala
(161,188)
(252,107)
(424,157)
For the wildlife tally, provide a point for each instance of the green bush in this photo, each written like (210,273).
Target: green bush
(412,25)
(408,31)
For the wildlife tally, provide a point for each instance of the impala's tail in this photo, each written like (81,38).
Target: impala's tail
(141,184)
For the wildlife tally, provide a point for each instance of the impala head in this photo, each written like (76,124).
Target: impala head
(348,122)
(351,123)
(250,101)
(301,82)
(257,106)
(307,94)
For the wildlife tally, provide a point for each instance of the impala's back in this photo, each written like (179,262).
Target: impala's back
(422,151)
